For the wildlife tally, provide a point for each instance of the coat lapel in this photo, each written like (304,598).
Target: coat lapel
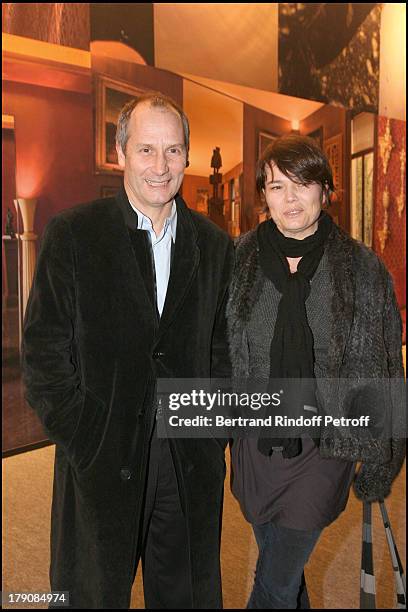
(131,248)
(184,265)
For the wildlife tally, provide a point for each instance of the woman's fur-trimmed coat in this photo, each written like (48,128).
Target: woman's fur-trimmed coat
(364,371)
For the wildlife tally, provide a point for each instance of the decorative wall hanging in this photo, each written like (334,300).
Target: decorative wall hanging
(401,197)
(384,232)
(386,146)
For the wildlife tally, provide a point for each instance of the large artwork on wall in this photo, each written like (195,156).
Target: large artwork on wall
(330,52)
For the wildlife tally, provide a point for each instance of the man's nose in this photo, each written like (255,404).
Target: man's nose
(161,166)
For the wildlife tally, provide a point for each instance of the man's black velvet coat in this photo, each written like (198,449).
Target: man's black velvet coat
(93,347)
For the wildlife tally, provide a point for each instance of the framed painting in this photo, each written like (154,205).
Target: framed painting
(110,97)
(317,135)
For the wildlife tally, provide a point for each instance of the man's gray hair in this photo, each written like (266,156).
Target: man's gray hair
(156,100)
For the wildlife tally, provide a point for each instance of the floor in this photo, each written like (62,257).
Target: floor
(333,573)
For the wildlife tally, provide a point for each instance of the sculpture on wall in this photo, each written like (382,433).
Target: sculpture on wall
(216,204)
(216,161)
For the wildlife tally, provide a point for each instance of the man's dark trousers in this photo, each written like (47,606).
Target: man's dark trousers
(165,553)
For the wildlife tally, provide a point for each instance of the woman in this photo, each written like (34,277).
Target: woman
(309,302)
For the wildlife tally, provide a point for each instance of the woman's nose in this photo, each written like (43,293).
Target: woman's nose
(291,193)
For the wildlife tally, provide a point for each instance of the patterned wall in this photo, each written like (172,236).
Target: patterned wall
(390,201)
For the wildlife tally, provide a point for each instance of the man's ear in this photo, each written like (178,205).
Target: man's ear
(121,155)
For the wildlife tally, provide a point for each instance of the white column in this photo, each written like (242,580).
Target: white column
(28,238)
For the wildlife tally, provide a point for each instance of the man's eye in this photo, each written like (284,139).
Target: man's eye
(145,150)
(174,150)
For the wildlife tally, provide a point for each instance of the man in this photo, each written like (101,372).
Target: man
(127,290)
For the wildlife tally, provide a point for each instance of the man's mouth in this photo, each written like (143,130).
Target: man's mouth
(153,183)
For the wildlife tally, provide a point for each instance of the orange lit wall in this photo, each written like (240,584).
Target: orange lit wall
(8,188)
(8,176)
(54,148)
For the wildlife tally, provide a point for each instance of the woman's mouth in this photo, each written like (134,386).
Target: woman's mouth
(293,213)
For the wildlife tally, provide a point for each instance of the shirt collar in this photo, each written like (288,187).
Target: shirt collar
(144,223)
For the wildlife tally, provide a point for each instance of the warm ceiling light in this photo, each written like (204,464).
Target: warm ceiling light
(295,125)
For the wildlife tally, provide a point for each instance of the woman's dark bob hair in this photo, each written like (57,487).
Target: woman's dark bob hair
(300,159)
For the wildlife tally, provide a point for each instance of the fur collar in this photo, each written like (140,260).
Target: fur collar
(248,283)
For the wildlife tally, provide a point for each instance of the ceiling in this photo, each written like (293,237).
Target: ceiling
(234,42)
(287,107)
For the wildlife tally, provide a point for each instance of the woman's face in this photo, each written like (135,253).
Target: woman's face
(295,208)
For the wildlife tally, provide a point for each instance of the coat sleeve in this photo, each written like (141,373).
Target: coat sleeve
(373,482)
(220,359)
(50,369)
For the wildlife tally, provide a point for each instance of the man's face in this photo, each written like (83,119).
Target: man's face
(295,208)
(155,157)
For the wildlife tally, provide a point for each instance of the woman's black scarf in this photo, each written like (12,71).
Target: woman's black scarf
(291,351)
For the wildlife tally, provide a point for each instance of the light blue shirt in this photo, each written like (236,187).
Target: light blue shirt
(161,247)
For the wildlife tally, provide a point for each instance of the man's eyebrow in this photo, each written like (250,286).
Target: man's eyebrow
(273,181)
(146,144)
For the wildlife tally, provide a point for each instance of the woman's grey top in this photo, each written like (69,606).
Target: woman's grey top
(306,492)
